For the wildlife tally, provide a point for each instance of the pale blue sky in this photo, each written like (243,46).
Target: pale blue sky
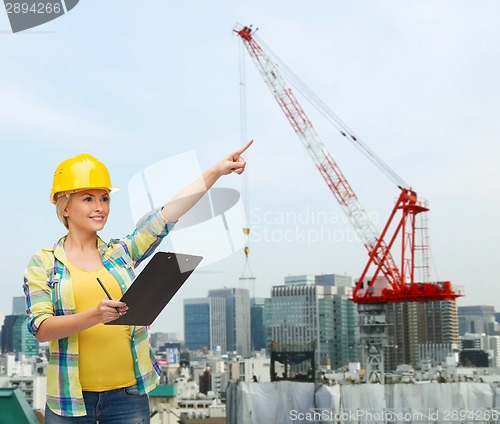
(134,83)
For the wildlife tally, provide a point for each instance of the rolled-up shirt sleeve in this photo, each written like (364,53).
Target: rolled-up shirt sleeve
(149,233)
(38,292)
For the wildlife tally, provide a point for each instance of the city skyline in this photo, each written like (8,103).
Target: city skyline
(312,311)
(417,81)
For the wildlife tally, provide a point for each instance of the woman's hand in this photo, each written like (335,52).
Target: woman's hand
(191,194)
(109,310)
(234,162)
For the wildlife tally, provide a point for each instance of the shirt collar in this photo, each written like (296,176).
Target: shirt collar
(60,254)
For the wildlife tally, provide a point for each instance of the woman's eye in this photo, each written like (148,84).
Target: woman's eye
(105,199)
(87,199)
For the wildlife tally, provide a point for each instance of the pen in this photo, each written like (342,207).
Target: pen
(107,293)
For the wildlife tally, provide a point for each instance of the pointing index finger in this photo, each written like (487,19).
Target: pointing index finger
(246,146)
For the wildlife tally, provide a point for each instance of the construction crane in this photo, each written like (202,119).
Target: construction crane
(383,279)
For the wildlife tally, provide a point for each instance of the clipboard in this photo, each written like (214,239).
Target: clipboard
(155,286)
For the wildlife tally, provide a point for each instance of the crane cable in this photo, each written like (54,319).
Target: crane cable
(243,122)
(296,82)
(243,133)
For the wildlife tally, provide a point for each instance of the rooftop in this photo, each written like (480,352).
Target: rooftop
(15,408)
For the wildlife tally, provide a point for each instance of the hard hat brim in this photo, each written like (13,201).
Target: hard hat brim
(55,196)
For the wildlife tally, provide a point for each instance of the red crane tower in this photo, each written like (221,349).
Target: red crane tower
(383,280)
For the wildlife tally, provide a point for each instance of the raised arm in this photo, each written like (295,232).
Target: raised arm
(185,199)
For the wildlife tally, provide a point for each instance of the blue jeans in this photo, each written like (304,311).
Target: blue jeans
(120,406)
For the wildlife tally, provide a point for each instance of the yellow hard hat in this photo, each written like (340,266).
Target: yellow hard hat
(78,173)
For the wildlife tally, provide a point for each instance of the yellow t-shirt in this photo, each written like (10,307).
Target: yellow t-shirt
(105,354)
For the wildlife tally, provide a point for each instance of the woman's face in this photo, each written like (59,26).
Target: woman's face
(88,210)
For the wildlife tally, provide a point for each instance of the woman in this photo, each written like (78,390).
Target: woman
(97,372)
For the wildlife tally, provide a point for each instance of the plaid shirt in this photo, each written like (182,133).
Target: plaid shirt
(49,292)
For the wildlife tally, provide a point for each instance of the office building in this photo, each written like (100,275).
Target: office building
(15,337)
(257,326)
(345,327)
(412,325)
(480,343)
(205,324)
(335,280)
(303,313)
(237,301)
(19,305)
(479,319)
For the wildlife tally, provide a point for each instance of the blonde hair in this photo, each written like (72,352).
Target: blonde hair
(61,205)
